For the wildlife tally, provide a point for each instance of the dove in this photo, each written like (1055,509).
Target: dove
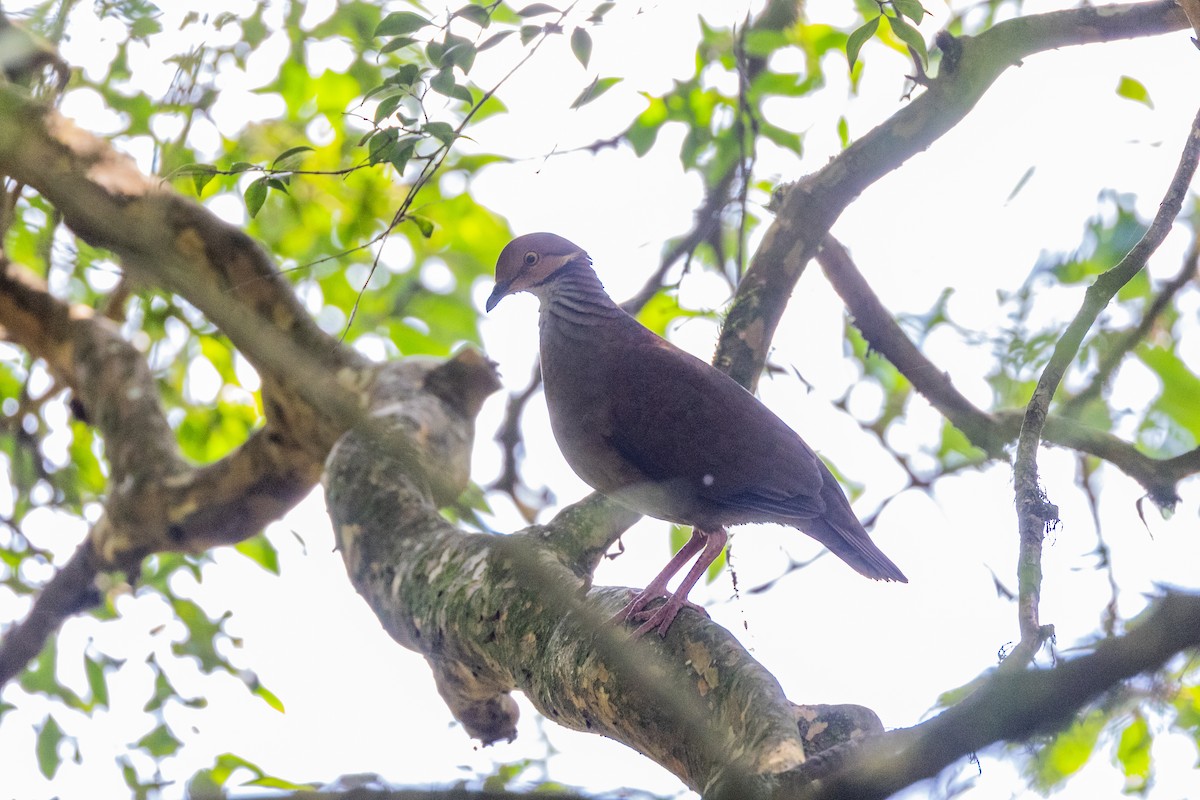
(667,435)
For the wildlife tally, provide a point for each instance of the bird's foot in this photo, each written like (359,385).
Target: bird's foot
(660,618)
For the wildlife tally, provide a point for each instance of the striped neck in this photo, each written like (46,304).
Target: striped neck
(574,294)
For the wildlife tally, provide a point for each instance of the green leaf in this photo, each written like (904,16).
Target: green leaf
(256,195)
(260,550)
(400,23)
(679,537)
(599,11)
(477,14)
(159,742)
(530,32)
(858,38)
(398,43)
(97,681)
(424,224)
(1068,751)
(267,696)
(581,45)
(203,634)
(911,9)
(228,763)
(1133,754)
(594,90)
(201,175)
(784,138)
(240,166)
(42,677)
(494,40)
(459,52)
(386,107)
(1134,90)
(442,131)
(382,145)
(291,151)
(406,75)
(537,9)
(49,735)
(1180,388)
(661,310)
(444,83)
(911,37)
(1021,184)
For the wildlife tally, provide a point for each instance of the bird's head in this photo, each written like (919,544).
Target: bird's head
(530,260)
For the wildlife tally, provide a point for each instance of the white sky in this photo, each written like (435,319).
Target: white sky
(356,702)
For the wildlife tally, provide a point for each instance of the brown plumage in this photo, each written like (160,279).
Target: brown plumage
(666,434)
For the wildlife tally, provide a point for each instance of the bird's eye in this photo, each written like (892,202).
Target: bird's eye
(531,259)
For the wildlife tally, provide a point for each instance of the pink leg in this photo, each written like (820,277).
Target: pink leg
(709,544)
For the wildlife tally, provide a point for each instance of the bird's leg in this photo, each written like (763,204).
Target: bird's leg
(658,587)
(710,543)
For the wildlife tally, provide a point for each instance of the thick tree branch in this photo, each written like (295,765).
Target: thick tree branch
(1009,705)
(494,614)
(168,241)
(314,389)
(108,375)
(1034,513)
(498,614)
(808,209)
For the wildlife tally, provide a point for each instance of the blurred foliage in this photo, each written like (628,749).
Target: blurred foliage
(358,178)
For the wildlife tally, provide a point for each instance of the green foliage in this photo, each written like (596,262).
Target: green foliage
(893,23)
(1133,754)
(213,782)
(1132,89)
(49,737)
(1066,752)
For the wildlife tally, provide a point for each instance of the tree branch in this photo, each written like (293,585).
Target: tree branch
(885,336)
(990,432)
(1034,513)
(168,241)
(1114,355)
(808,209)
(313,388)
(1010,705)
(70,591)
(494,614)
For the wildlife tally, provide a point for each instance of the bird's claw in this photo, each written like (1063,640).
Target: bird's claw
(659,618)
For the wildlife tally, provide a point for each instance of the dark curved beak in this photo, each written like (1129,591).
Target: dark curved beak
(497,295)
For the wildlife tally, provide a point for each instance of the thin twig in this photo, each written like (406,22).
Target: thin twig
(1112,358)
(1034,513)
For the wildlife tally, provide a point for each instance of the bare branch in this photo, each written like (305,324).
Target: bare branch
(1034,512)
(70,591)
(884,335)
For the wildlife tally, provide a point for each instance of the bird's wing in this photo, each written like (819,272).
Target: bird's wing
(676,417)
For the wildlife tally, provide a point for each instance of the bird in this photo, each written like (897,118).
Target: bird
(665,434)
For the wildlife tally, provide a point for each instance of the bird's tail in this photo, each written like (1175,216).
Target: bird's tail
(853,546)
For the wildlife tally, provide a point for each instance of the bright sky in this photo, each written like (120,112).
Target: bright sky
(356,702)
